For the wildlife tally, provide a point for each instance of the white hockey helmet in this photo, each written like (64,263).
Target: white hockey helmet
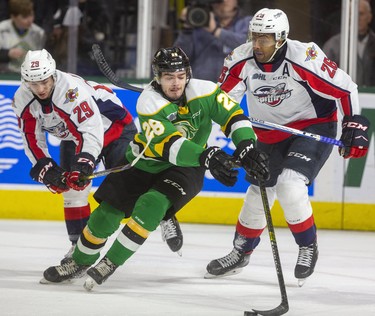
(38,66)
(272,21)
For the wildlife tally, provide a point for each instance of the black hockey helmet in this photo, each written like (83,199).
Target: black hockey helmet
(170,59)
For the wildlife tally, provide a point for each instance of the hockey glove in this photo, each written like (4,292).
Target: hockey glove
(46,171)
(220,165)
(354,136)
(254,161)
(83,166)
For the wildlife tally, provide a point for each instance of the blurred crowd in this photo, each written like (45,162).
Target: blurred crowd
(35,24)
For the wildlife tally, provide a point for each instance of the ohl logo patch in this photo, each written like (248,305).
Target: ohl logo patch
(272,96)
(311,53)
(71,95)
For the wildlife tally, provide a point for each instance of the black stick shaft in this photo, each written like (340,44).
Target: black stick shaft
(275,251)
(284,305)
(107,71)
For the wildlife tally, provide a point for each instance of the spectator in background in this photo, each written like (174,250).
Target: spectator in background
(18,35)
(3,10)
(93,28)
(207,46)
(44,11)
(366,46)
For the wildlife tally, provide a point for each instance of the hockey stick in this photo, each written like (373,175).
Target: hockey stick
(111,76)
(297,132)
(108,72)
(124,167)
(284,305)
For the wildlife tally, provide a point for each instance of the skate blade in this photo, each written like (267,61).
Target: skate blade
(301,282)
(89,284)
(229,273)
(44,281)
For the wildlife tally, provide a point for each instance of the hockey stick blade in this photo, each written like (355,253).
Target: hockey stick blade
(279,310)
(108,72)
(284,306)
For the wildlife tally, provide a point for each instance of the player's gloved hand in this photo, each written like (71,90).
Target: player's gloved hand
(354,136)
(83,166)
(254,161)
(220,165)
(46,171)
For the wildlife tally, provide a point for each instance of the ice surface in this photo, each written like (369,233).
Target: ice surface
(156,281)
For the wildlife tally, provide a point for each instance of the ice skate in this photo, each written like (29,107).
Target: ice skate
(172,234)
(230,264)
(306,261)
(65,272)
(99,273)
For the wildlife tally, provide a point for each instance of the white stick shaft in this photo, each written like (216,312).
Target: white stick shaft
(124,167)
(298,132)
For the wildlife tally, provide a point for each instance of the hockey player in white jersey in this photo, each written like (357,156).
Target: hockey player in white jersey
(88,118)
(294,84)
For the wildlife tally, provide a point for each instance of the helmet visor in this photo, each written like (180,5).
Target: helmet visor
(262,39)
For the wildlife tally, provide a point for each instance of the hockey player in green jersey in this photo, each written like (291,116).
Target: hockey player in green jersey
(176,114)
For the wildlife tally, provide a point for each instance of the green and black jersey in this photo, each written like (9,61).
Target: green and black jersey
(179,133)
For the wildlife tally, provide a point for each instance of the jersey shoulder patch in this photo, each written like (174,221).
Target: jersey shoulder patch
(200,88)
(150,102)
(70,89)
(240,53)
(304,54)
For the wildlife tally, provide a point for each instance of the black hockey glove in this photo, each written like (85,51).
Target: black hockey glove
(220,165)
(254,161)
(83,166)
(46,171)
(354,136)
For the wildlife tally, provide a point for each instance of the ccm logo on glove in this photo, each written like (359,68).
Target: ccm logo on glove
(82,167)
(85,160)
(354,136)
(46,171)
(43,171)
(354,125)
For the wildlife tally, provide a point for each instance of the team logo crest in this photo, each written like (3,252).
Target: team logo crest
(59,130)
(71,95)
(186,129)
(229,56)
(311,53)
(272,96)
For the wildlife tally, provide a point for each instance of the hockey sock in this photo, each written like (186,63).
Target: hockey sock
(131,237)
(150,209)
(246,239)
(148,212)
(304,233)
(76,219)
(104,221)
